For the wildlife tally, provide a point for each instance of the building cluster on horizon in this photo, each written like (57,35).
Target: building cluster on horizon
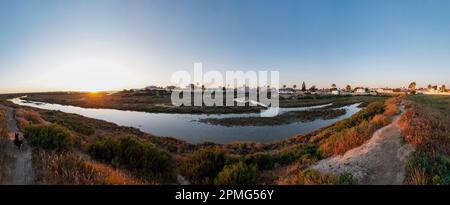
(294,92)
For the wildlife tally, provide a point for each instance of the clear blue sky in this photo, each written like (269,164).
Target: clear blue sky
(110,44)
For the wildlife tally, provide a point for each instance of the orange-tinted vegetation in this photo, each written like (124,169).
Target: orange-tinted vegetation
(356,130)
(68,168)
(141,157)
(426,126)
(4,157)
(27,117)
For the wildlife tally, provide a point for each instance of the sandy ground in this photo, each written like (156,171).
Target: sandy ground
(381,160)
(21,168)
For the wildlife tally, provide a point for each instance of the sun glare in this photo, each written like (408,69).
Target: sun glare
(92,74)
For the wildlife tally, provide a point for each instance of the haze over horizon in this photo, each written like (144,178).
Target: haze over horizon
(88,45)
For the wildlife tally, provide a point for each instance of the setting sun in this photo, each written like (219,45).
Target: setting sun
(92,70)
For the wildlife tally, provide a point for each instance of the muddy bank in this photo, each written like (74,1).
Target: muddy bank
(285,118)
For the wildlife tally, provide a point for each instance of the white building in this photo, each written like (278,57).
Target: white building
(335,92)
(361,91)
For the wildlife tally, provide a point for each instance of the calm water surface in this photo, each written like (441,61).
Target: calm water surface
(186,126)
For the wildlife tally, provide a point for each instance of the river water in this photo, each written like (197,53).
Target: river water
(186,126)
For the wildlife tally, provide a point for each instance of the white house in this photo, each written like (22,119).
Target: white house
(335,92)
(361,91)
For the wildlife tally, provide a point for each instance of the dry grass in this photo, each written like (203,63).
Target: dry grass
(4,158)
(314,177)
(426,126)
(68,168)
(341,140)
(426,129)
(27,117)
(417,176)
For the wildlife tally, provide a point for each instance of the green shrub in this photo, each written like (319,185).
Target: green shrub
(303,153)
(347,179)
(237,174)
(264,161)
(78,127)
(354,131)
(49,137)
(314,177)
(364,115)
(140,157)
(433,169)
(202,166)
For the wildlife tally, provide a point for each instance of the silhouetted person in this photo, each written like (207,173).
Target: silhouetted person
(17,141)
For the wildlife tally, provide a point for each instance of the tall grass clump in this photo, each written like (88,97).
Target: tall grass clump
(425,169)
(203,166)
(314,177)
(140,157)
(237,174)
(68,168)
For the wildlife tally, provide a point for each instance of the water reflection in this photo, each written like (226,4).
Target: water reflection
(186,126)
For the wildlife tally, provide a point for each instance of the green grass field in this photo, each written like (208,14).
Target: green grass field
(438,102)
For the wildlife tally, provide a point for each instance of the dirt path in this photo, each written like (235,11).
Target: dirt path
(381,160)
(21,168)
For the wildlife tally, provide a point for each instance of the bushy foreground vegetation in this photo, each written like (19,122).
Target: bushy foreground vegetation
(4,157)
(237,174)
(68,168)
(212,166)
(314,177)
(56,162)
(202,166)
(49,137)
(137,156)
(426,126)
(302,154)
(426,169)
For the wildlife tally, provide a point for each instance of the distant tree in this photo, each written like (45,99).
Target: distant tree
(435,87)
(313,88)
(284,86)
(443,89)
(412,86)
(430,86)
(294,86)
(333,87)
(303,86)
(348,88)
